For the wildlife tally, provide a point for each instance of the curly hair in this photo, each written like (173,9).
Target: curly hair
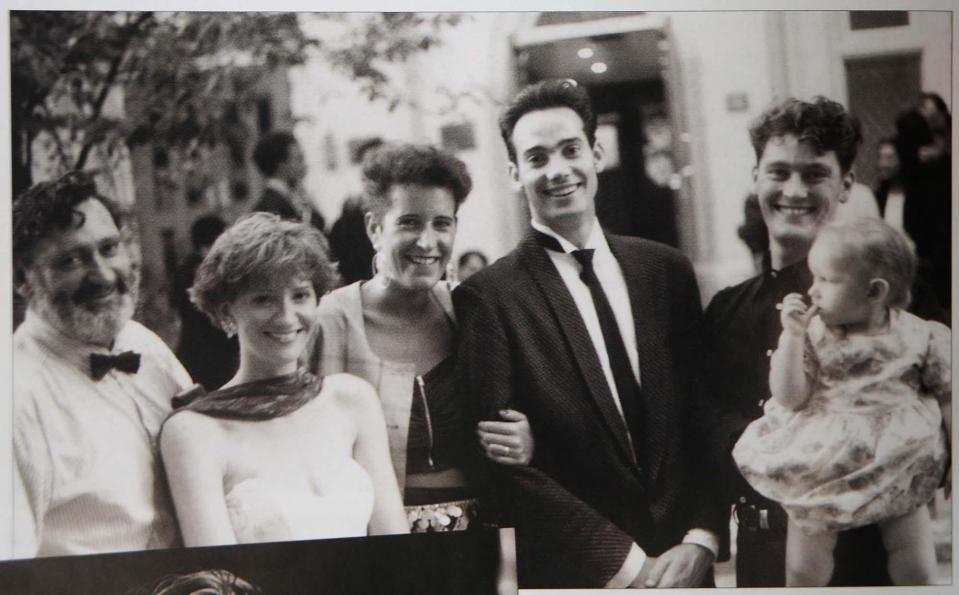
(398,164)
(260,247)
(221,582)
(49,207)
(875,249)
(545,95)
(824,124)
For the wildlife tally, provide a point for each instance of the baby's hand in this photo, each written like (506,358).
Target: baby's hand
(795,314)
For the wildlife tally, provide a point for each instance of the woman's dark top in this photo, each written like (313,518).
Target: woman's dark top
(437,428)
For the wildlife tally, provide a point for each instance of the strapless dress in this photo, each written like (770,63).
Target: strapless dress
(261,510)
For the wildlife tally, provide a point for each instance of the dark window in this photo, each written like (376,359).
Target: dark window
(880,88)
(877,19)
(458,137)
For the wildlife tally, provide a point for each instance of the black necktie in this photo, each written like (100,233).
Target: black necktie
(100,363)
(630,398)
(626,385)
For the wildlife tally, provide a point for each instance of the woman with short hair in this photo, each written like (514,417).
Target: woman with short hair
(276,453)
(397,332)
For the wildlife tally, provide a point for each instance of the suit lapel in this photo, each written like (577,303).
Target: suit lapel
(650,345)
(567,317)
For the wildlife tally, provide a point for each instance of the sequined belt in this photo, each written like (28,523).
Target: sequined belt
(442,516)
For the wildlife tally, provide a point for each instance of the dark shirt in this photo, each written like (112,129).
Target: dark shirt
(743,328)
(435,442)
(205,351)
(272,201)
(350,245)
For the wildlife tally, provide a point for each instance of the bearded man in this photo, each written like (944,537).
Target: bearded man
(91,386)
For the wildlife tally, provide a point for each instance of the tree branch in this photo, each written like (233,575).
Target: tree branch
(128,34)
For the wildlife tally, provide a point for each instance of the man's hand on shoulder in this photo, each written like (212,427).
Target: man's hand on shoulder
(682,565)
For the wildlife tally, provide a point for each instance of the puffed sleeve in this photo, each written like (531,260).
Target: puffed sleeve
(936,368)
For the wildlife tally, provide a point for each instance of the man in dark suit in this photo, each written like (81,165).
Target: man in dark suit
(597,339)
(804,153)
(280,159)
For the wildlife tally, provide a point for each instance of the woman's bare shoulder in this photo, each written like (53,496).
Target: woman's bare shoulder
(350,392)
(187,429)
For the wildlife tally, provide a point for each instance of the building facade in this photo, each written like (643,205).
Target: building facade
(681,84)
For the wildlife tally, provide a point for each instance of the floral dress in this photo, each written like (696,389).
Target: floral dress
(869,444)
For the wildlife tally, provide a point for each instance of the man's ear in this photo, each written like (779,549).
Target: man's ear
(848,179)
(372,228)
(22,284)
(755,175)
(513,173)
(599,156)
(878,289)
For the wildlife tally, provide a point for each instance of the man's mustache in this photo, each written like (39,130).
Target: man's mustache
(92,291)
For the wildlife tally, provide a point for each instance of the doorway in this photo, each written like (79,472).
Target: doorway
(623,63)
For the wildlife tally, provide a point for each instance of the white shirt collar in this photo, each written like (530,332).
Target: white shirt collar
(596,240)
(60,345)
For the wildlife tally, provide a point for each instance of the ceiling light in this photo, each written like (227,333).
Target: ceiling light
(585,53)
(598,67)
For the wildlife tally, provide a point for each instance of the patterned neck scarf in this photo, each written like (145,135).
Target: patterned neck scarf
(254,401)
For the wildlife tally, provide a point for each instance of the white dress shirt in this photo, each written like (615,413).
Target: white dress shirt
(611,277)
(86,472)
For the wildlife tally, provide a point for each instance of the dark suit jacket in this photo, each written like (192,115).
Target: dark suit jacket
(272,201)
(581,502)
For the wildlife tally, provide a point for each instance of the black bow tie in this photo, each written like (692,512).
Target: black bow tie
(100,363)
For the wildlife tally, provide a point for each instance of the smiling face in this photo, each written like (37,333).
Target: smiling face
(556,168)
(798,192)
(840,291)
(414,237)
(83,280)
(273,321)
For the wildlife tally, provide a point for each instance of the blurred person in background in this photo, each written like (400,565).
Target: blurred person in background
(207,353)
(280,160)
(91,387)
(349,244)
(470,262)
(397,332)
(922,137)
(654,215)
(889,192)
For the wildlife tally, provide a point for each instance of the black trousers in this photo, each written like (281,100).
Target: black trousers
(860,558)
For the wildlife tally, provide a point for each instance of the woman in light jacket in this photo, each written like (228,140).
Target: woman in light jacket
(397,332)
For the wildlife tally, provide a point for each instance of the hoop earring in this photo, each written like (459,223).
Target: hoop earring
(373,265)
